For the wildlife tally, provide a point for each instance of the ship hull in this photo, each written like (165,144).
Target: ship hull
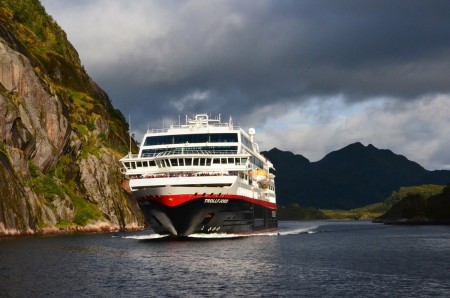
(183,215)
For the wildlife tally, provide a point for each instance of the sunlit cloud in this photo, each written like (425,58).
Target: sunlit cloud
(419,130)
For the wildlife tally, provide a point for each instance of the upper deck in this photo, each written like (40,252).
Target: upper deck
(198,122)
(198,145)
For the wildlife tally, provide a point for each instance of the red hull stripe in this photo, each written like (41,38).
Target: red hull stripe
(175,200)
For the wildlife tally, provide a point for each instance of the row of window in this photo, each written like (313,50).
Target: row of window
(192,138)
(191,150)
(181,162)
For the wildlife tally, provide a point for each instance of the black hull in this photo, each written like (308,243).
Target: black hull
(203,215)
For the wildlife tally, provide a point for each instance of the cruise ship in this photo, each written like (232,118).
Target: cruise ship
(204,176)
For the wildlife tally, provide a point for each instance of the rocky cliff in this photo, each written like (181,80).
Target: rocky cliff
(60,137)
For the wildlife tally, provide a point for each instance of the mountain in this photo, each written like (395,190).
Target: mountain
(351,177)
(60,136)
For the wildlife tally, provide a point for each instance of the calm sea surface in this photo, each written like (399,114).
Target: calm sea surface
(306,259)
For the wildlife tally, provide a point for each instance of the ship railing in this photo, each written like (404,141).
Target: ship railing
(184,126)
(190,152)
(186,174)
(129,155)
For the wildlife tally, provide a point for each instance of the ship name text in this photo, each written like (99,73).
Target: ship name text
(216,201)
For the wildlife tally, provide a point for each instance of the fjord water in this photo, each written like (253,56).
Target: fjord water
(309,259)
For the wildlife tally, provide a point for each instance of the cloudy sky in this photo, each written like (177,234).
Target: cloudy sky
(310,76)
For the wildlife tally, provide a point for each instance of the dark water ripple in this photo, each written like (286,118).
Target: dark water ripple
(306,259)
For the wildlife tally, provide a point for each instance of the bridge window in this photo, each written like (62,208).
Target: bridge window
(192,138)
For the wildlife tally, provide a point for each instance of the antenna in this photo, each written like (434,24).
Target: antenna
(129,132)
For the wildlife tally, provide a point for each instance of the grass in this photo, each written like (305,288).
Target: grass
(378,209)
(85,211)
(44,185)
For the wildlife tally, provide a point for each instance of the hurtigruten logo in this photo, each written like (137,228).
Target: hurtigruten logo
(216,201)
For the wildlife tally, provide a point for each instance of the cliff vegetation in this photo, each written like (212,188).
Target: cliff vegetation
(419,206)
(60,136)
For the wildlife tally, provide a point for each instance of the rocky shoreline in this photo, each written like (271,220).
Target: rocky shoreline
(93,228)
(412,221)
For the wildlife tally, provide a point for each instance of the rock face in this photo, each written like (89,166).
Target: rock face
(59,134)
(34,121)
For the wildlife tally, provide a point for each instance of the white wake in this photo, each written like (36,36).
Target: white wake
(280,232)
(308,230)
(145,237)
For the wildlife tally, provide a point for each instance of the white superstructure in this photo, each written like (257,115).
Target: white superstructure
(203,158)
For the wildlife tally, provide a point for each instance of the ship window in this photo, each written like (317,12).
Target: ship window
(127,165)
(188,161)
(202,161)
(196,161)
(152,163)
(256,161)
(208,161)
(223,137)
(192,138)
(139,164)
(144,164)
(174,162)
(181,162)
(243,161)
(214,149)
(246,142)
(231,160)
(223,161)
(133,165)
(216,160)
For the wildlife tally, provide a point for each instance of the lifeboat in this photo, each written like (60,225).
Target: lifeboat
(259,175)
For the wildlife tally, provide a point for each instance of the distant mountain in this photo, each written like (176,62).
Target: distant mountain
(351,177)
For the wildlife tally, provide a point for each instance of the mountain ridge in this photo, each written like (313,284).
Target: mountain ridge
(351,177)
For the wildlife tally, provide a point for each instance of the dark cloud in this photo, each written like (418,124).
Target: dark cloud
(257,59)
